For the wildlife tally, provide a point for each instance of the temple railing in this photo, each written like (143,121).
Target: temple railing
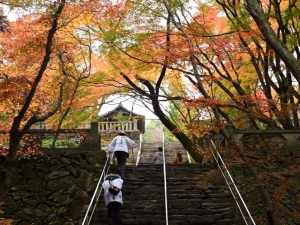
(103,126)
(44,125)
(118,125)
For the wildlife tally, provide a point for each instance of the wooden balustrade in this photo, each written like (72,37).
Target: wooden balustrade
(118,125)
(103,126)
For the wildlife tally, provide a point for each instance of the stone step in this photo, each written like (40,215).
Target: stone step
(171,149)
(189,201)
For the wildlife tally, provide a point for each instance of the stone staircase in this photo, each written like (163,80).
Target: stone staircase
(190,199)
(171,149)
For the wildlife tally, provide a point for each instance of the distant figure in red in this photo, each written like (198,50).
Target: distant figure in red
(178,159)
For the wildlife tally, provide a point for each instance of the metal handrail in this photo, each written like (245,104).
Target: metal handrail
(188,156)
(165,179)
(94,201)
(139,151)
(232,182)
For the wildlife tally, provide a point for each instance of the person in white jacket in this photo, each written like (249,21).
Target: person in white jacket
(119,147)
(113,202)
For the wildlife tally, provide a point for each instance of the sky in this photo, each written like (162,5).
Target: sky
(138,108)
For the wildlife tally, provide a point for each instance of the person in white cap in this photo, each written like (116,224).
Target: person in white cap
(119,147)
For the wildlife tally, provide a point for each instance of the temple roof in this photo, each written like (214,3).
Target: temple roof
(120,108)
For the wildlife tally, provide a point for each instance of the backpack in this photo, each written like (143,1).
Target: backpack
(113,189)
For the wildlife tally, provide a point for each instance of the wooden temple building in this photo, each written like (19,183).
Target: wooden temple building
(121,119)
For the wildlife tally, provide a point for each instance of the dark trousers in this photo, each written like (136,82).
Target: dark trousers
(121,157)
(113,211)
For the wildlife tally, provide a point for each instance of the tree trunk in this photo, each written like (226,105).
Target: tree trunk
(188,144)
(59,126)
(6,169)
(6,172)
(270,37)
(16,133)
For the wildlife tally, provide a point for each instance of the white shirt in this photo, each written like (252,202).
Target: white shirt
(108,197)
(121,143)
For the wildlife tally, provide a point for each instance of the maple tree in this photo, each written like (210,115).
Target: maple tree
(240,72)
(217,64)
(24,88)
(77,66)
(46,56)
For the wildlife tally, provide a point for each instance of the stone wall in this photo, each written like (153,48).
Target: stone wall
(54,188)
(277,165)
(269,139)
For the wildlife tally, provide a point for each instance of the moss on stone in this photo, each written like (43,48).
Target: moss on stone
(68,223)
(68,201)
(8,201)
(62,199)
(74,209)
(20,216)
(16,206)
(60,183)
(58,222)
(23,223)
(72,190)
(85,180)
(62,212)
(83,164)
(29,173)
